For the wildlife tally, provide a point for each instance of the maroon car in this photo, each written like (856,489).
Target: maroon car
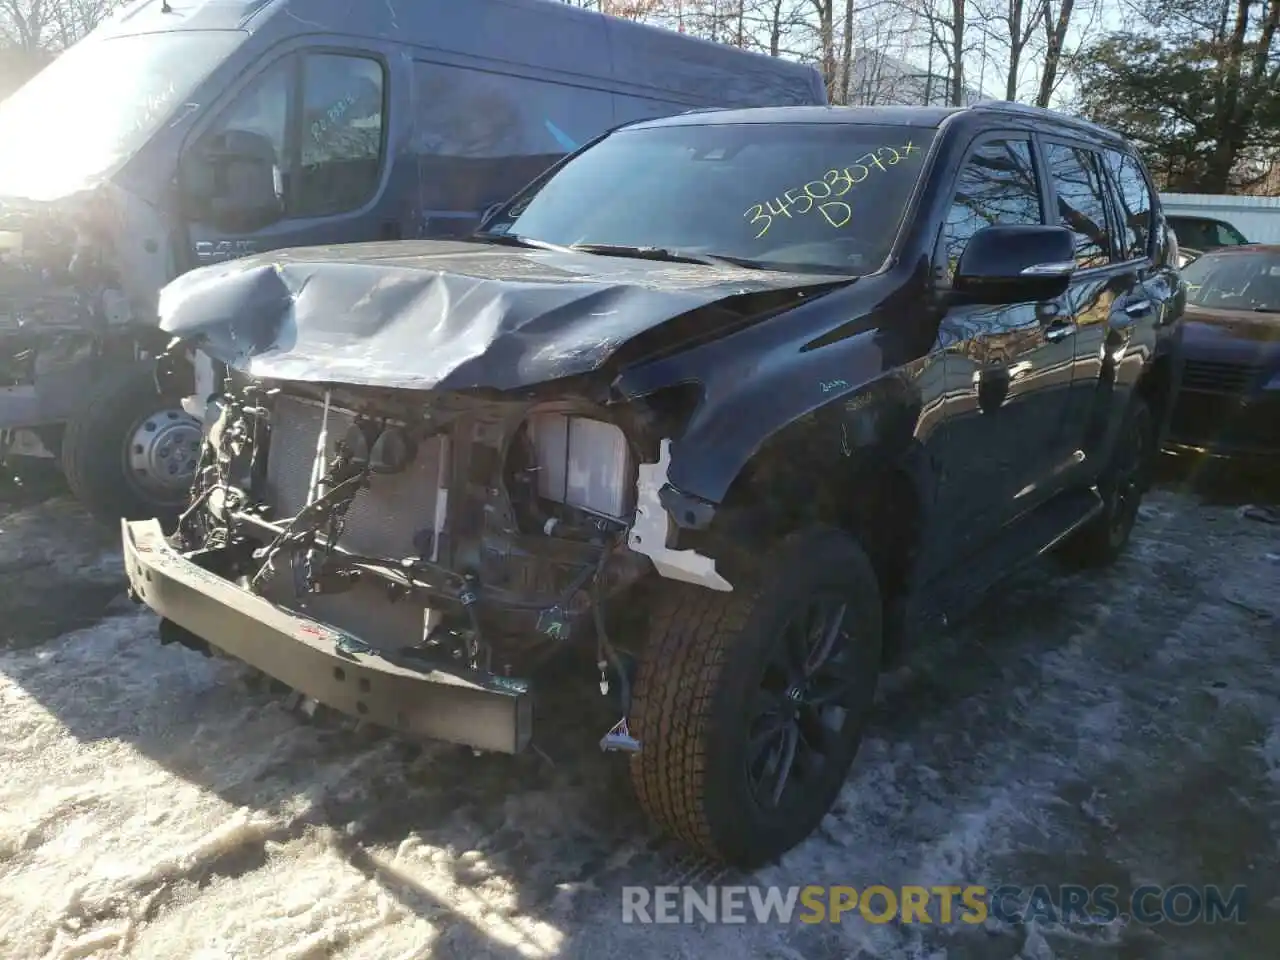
(1229,404)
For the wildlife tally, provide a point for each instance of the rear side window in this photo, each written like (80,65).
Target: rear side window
(1134,204)
(1082,208)
(996,185)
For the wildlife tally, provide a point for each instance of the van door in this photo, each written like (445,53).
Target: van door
(298,158)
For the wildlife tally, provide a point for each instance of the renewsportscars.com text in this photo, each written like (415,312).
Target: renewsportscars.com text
(971,904)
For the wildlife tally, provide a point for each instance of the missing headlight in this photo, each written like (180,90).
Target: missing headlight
(583,463)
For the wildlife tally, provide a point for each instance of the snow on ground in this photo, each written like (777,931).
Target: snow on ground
(1117,727)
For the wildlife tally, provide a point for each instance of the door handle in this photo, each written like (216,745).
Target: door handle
(1059,331)
(992,384)
(1139,309)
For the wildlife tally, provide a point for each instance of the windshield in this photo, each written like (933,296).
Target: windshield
(96,104)
(1205,234)
(1235,281)
(816,197)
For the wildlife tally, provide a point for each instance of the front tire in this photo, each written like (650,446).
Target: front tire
(750,705)
(129,451)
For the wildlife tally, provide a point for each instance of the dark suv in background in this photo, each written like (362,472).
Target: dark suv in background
(807,380)
(1229,405)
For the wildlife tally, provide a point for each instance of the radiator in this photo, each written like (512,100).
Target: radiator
(385,517)
(383,520)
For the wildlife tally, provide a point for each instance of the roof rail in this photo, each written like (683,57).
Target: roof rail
(1011,106)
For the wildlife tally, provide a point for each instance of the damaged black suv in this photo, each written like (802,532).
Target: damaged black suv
(799,384)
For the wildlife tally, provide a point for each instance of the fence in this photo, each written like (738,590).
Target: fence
(1258,218)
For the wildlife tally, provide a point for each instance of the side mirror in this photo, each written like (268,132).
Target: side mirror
(233,182)
(1015,263)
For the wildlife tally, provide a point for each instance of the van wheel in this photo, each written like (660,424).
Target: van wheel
(1101,541)
(750,705)
(129,451)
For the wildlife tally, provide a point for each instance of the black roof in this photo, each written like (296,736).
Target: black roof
(904,116)
(890,115)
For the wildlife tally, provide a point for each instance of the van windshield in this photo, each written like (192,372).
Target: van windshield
(97,104)
(825,197)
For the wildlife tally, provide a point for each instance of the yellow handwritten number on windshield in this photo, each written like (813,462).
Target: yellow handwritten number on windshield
(759,215)
(833,178)
(824,195)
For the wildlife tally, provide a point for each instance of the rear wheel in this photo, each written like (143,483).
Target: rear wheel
(750,705)
(131,451)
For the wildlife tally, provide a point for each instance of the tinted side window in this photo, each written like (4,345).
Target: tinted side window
(1135,204)
(1077,181)
(996,185)
(342,121)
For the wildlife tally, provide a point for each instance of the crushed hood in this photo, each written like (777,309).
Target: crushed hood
(451,315)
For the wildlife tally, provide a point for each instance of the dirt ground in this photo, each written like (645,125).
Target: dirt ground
(1119,727)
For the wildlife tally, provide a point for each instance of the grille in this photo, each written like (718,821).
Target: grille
(1215,376)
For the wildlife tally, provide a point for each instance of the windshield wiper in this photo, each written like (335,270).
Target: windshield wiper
(515,240)
(655,253)
(662,254)
(668,255)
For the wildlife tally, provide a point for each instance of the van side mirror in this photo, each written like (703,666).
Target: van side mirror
(1014,263)
(232,181)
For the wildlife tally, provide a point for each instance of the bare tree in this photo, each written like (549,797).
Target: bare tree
(1019,25)
(847,58)
(1056,24)
(951,40)
(49,25)
(24,23)
(824,10)
(73,19)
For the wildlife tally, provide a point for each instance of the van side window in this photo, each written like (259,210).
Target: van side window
(996,185)
(1082,208)
(480,136)
(1134,206)
(263,108)
(342,142)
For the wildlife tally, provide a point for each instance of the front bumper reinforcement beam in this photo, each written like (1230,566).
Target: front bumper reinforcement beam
(475,709)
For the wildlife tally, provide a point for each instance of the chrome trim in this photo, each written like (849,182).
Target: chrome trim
(1058,268)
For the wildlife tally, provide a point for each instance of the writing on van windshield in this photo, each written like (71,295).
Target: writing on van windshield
(822,196)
